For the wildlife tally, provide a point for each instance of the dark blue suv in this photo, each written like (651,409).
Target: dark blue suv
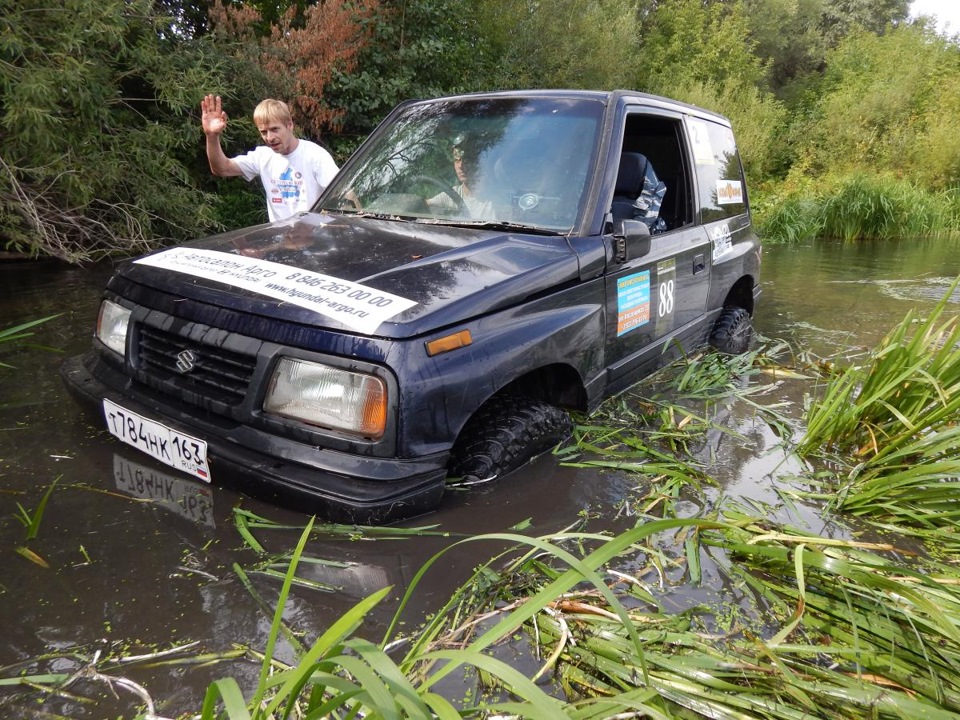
(481,265)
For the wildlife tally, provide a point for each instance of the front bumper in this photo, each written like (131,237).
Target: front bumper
(334,485)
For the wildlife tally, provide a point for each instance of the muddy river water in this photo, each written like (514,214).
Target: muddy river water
(130,558)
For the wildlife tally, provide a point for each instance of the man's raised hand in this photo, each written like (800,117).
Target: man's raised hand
(212,116)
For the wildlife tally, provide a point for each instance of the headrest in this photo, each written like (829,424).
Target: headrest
(633,168)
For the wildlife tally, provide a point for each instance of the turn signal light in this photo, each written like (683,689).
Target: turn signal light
(449,342)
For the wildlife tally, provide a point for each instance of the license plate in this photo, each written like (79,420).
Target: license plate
(176,449)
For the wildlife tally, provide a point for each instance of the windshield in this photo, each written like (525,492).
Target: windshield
(501,161)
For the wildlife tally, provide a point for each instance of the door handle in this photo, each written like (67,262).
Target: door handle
(698,264)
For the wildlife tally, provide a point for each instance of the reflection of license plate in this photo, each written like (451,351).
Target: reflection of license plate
(178,495)
(170,447)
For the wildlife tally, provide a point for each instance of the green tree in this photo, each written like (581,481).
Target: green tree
(560,43)
(415,48)
(793,37)
(689,42)
(890,103)
(97,135)
(703,53)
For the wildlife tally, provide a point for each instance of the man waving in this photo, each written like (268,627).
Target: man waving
(293,171)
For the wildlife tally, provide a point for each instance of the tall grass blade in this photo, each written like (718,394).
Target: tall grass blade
(228,692)
(278,617)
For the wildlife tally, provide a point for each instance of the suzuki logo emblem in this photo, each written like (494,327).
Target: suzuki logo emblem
(186,361)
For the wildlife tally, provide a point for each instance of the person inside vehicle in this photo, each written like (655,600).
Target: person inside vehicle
(465,167)
(293,171)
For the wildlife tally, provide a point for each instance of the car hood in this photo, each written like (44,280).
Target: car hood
(449,274)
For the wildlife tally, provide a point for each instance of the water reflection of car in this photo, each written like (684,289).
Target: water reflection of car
(177,495)
(350,359)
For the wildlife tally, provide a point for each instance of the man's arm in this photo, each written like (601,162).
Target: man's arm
(214,121)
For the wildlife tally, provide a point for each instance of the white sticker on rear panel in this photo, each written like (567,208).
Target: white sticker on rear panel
(729,192)
(700,139)
(359,307)
(722,241)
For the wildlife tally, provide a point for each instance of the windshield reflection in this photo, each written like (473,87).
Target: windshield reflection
(496,161)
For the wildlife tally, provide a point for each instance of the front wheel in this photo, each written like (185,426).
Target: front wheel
(732,331)
(505,433)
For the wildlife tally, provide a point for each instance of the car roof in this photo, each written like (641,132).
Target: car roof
(608,97)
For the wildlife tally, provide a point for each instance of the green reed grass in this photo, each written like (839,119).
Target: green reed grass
(875,207)
(835,629)
(791,218)
(31,519)
(858,207)
(816,627)
(893,421)
(654,428)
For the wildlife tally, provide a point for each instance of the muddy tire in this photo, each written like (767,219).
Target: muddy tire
(733,331)
(505,433)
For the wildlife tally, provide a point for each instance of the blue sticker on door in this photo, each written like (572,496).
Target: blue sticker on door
(633,302)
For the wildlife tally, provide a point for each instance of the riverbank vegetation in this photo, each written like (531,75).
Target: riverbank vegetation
(102,151)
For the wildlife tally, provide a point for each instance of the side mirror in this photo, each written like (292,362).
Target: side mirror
(632,240)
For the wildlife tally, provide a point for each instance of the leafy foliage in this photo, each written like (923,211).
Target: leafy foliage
(874,108)
(303,50)
(561,43)
(100,152)
(688,43)
(94,101)
(415,48)
(702,53)
(793,37)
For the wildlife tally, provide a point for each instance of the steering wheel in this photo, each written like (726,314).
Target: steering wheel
(446,189)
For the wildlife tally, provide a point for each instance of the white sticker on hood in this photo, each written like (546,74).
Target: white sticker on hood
(359,307)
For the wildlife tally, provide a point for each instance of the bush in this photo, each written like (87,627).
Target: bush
(792,218)
(98,137)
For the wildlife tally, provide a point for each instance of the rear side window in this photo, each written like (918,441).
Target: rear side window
(720,185)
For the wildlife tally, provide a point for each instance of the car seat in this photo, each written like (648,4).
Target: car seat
(638,193)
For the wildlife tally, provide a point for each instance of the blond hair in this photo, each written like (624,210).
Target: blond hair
(270,110)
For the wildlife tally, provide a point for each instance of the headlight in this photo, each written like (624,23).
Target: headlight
(329,397)
(112,326)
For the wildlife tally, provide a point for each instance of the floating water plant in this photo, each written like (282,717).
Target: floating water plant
(31,521)
(18,333)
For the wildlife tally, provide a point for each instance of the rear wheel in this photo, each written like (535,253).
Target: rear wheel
(732,331)
(506,432)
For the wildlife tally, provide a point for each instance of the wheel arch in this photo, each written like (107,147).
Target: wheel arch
(558,384)
(741,294)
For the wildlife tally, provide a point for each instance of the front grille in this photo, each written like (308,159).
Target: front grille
(217,374)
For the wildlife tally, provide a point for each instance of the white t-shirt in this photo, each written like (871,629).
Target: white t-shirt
(293,182)
(478,209)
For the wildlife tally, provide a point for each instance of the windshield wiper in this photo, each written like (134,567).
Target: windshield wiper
(381,216)
(494,225)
